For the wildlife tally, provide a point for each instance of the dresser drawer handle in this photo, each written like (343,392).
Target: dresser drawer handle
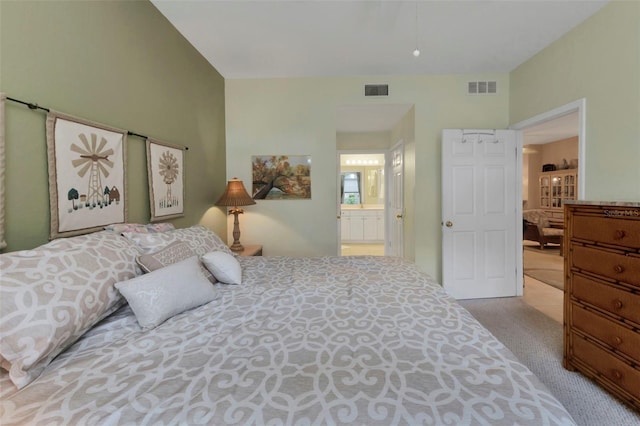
(619,269)
(620,234)
(617,305)
(617,340)
(616,374)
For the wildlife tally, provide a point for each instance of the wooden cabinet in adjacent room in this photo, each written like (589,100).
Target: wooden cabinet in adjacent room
(602,295)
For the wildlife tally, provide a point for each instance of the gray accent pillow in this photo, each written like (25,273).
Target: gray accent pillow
(163,293)
(174,252)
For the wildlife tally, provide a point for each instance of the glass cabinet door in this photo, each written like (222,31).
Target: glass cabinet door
(544,191)
(556,192)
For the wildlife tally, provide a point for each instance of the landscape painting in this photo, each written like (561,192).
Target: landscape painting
(280,177)
(86,175)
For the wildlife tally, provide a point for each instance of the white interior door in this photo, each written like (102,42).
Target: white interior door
(395,202)
(479,213)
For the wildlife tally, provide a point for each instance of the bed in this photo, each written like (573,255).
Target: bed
(305,341)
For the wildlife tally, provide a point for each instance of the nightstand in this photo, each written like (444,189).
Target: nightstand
(250,250)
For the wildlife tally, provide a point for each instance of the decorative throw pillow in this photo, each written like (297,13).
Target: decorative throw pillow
(174,252)
(200,239)
(53,294)
(163,293)
(224,266)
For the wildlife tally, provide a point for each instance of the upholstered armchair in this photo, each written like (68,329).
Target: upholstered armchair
(536,227)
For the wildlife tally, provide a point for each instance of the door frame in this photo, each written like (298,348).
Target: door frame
(579,106)
(340,152)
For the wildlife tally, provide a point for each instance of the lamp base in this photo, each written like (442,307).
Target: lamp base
(236,246)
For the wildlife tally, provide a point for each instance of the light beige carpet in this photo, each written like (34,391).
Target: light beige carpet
(544,265)
(536,340)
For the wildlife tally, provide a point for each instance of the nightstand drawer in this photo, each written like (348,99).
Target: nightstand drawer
(610,333)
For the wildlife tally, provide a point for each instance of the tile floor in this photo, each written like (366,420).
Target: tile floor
(543,297)
(348,249)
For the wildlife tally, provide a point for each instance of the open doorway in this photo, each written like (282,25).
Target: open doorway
(362,203)
(371,133)
(552,174)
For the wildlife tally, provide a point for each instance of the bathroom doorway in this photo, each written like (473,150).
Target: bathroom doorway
(362,203)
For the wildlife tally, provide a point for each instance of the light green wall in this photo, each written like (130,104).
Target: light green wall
(598,60)
(363,140)
(115,62)
(297,116)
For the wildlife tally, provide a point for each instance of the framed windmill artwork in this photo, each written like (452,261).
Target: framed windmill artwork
(86,175)
(165,168)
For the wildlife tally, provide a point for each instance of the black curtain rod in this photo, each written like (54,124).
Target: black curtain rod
(29,104)
(36,106)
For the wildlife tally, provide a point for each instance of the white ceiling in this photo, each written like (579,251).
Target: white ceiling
(267,38)
(557,129)
(321,38)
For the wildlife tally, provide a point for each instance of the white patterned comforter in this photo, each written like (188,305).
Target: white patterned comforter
(332,340)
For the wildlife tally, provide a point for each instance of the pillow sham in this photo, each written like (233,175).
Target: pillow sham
(163,293)
(53,294)
(200,239)
(138,227)
(174,252)
(225,267)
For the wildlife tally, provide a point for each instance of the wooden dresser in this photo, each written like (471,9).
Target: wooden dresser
(602,295)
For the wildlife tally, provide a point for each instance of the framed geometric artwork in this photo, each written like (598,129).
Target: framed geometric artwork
(281,177)
(165,168)
(87,187)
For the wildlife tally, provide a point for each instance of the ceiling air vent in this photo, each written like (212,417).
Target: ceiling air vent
(482,88)
(376,90)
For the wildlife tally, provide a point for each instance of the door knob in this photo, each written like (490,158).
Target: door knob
(398,216)
(449,224)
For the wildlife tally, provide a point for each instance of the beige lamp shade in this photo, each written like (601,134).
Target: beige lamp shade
(235,195)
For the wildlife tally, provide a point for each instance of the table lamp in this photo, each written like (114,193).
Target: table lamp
(235,195)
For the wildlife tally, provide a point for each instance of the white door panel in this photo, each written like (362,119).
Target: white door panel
(395,201)
(479,213)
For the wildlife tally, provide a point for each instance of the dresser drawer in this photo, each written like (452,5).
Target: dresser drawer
(620,232)
(610,333)
(606,297)
(616,266)
(614,370)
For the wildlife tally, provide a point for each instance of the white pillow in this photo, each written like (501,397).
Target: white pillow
(163,293)
(225,267)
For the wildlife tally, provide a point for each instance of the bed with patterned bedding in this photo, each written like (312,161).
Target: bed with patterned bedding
(327,340)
